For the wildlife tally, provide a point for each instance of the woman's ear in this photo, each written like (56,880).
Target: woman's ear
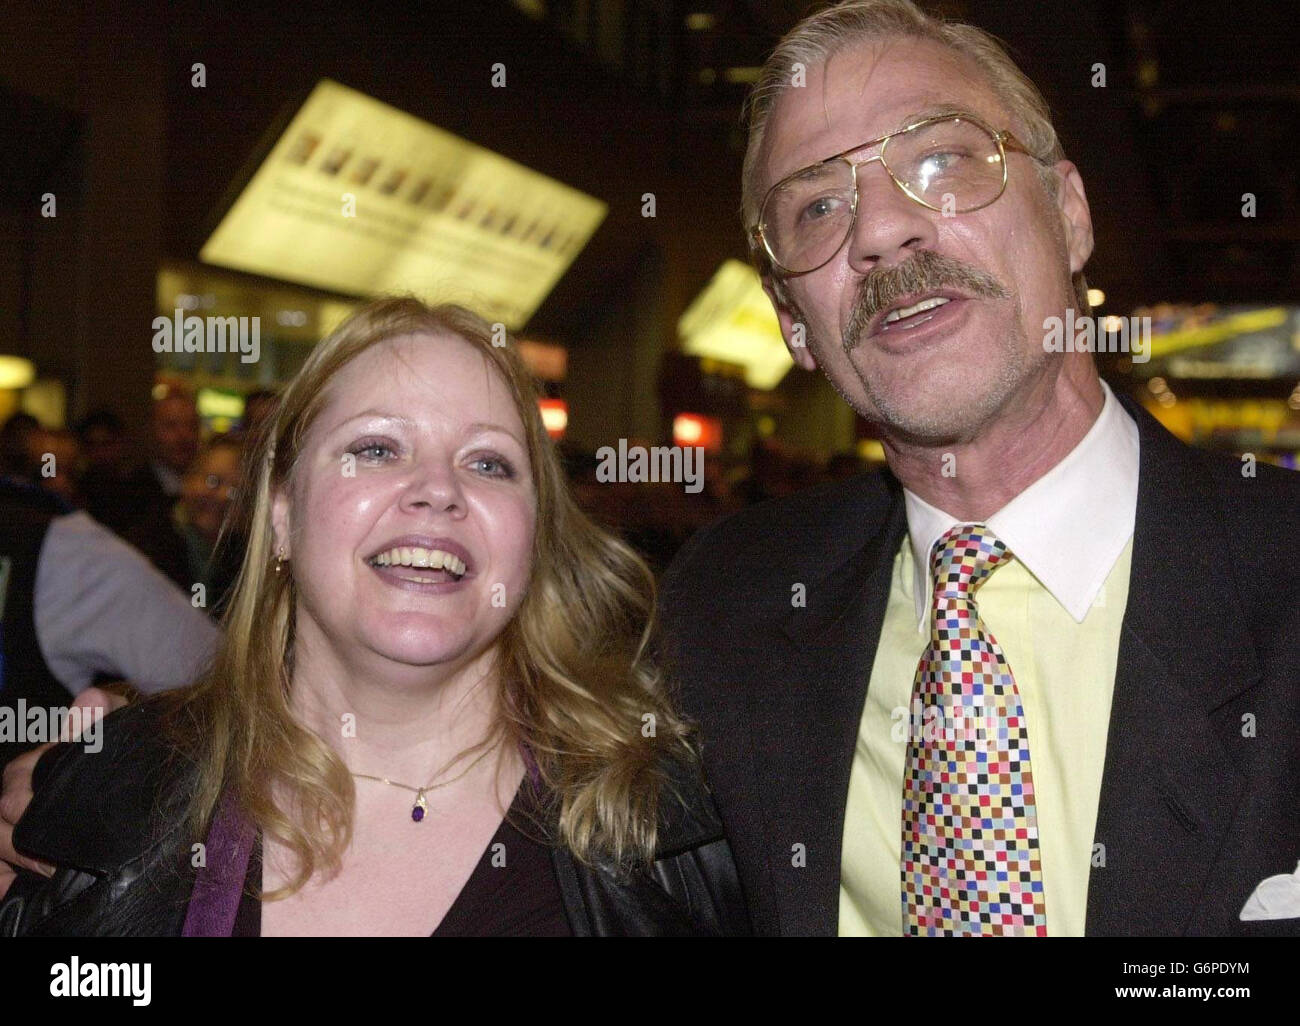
(280,522)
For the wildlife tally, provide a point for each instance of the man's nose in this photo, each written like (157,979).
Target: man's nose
(888,225)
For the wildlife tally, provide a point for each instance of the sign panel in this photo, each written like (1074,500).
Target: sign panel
(359,197)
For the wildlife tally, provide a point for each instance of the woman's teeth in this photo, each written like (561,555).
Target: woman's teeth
(415,556)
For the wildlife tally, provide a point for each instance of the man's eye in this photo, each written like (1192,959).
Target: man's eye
(820,208)
(945,160)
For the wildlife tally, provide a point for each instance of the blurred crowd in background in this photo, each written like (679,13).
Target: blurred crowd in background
(173,503)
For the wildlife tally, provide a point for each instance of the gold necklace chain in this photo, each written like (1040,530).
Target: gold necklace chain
(421,806)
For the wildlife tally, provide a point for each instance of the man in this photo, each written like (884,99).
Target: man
(133,500)
(78,605)
(102,435)
(1040,677)
(175,439)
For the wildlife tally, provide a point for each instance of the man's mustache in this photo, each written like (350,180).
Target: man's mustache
(925,272)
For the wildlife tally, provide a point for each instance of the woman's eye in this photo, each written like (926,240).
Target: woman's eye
(493,466)
(372,451)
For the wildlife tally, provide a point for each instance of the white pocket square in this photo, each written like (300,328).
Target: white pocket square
(1278,897)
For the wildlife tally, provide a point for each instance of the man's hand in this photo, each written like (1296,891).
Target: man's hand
(16,792)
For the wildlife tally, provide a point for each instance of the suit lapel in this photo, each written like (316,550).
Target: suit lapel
(804,721)
(1169,790)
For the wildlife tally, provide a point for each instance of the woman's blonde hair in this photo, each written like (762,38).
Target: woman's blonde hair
(822,35)
(577,689)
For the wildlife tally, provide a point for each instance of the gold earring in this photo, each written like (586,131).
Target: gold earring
(279,560)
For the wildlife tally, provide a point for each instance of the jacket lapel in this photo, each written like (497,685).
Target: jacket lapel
(1169,790)
(804,718)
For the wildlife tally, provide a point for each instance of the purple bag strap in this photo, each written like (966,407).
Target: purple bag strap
(219,884)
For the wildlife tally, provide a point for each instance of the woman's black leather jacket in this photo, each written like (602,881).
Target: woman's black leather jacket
(102,819)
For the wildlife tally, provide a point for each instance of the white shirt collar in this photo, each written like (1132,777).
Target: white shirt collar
(1068,528)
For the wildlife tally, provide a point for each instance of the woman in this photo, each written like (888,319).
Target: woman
(431,711)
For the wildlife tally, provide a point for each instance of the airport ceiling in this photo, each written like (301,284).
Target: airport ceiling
(1201,109)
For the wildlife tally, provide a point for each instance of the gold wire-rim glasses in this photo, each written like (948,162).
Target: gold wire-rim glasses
(1005,140)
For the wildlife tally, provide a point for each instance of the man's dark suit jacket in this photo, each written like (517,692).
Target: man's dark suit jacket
(1200,797)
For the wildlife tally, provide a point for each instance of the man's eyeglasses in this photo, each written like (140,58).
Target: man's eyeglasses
(952,164)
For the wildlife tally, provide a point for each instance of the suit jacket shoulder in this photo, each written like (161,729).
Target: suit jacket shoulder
(814,528)
(1261,514)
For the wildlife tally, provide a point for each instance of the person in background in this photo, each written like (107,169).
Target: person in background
(175,439)
(59,469)
(207,493)
(259,407)
(78,604)
(102,435)
(24,444)
(16,446)
(182,540)
(127,499)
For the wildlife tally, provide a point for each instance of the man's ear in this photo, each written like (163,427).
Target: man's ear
(1072,204)
(794,331)
(280,522)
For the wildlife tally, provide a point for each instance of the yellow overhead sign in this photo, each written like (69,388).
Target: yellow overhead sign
(359,197)
(733,320)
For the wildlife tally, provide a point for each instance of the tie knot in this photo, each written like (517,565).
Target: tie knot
(964,557)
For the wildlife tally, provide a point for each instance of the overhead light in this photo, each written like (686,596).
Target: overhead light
(694,429)
(1096,297)
(700,21)
(215,402)
(546,360)
(16,372)
(743,76)
(534,9)
(360,198)
(1232,324)
(555,416)
(732,320)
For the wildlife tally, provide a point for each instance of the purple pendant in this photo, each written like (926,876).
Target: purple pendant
(417,813)
(421,806)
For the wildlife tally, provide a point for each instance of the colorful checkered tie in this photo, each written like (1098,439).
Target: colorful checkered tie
(970,859)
